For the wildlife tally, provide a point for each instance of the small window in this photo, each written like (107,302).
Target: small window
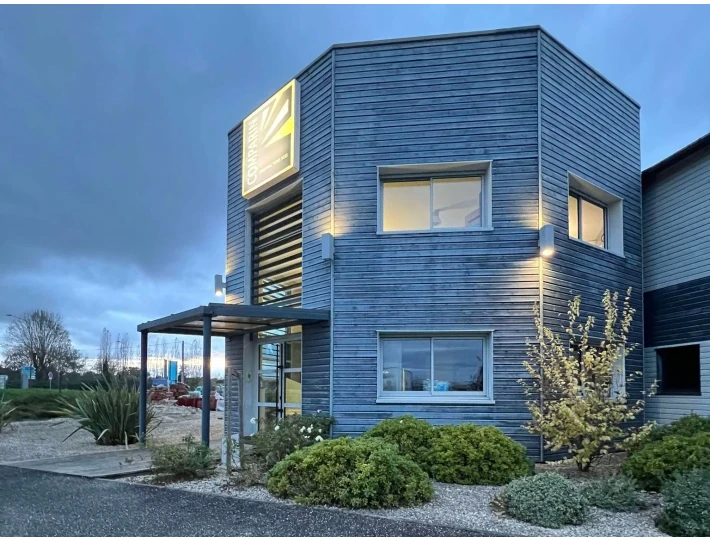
(679,370)
(434,368)
(432,204)
(587,220)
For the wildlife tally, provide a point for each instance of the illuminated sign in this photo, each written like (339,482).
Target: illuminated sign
(270,141)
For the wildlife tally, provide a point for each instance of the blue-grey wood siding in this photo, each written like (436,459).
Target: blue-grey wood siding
(589,128)
(234,359)
(315,179)
(678,314)
(451,99)
(676,224)
(663,408)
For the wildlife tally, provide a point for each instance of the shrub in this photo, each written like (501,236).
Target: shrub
(617,493)
(274,442)
(686,505)
(687,426)
(574,397)
(109,412)
(182,461)
(350,473)
(470,454)
(413,437)
(658,461)
(547,499)
(6,411)
(36,403)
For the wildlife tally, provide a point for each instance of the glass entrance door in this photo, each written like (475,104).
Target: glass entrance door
(280,373)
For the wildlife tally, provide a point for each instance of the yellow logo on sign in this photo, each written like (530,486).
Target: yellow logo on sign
(270,141)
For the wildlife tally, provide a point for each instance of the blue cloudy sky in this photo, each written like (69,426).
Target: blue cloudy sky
(113,123)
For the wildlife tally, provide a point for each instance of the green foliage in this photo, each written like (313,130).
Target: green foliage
(6,410)
(351,473)
(413,437)
(658,461)
(617,493)
(686,505)
(182,461)
(582,410)
(274,442)
(548,500)
(685,427)
(109,412)
(35,403)
(470,454)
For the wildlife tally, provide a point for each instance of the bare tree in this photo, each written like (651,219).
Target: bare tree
(105,360)
(39,339)
(123,351)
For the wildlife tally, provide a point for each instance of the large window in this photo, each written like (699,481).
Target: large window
(679,370)
(434,368)
(432,204)
(587,220)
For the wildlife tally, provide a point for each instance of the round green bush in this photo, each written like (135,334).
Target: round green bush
(686,505)
(470,454)
(350,473)
(412,436)
(617,493)
(658,461)
(688,426)
(548,500)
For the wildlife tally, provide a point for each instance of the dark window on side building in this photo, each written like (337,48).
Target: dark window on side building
(679,370)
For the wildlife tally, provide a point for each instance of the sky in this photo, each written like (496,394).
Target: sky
(114,121)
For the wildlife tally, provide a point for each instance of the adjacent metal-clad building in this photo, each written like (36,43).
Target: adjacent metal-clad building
(676,195)
(512,117)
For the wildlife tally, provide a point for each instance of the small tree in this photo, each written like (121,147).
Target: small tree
(580,407)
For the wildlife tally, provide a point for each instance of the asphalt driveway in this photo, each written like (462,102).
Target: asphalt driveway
(35,503)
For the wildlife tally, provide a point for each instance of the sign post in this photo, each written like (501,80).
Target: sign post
(50,376)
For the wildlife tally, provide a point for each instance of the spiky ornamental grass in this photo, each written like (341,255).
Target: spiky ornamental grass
(109,412)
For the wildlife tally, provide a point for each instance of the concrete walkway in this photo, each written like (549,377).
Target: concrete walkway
(36,503)
(111,464)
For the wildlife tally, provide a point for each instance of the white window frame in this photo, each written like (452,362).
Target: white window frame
(484,397)
(438,171)
(613,213)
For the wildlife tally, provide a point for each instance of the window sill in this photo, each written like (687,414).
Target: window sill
(605,250)
(678,394)
(431,400)
(436,231)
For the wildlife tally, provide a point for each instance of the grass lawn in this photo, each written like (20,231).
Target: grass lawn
(35,403)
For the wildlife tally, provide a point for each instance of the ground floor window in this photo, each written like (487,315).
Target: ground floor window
(435,368)
(679,370)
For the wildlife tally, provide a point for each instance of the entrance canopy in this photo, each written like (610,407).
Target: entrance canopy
(233,319)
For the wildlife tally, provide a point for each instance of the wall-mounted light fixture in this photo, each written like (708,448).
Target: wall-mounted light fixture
(219,285)
(546,240)
(327,247)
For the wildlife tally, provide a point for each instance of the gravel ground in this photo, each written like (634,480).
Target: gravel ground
(37,439)
(455,506)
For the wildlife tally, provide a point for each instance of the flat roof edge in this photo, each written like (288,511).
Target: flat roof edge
(688,150)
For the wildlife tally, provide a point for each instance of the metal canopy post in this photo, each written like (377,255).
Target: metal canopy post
(206,358)
(143,388)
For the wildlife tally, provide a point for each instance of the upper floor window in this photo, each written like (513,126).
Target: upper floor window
(587,220)
(595,216)
(436,197)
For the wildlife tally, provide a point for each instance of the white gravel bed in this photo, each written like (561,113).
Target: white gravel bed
(456,506)
(37,439)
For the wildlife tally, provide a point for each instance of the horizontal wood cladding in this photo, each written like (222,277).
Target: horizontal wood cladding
(665,409)
(591,129)
(677,224)
(316,368)
(677,314)
(460,99)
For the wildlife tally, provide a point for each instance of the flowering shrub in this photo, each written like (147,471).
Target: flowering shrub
(658,461)
(351,473)
(470,454)
(413,437)
(274,442)
(548,500)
